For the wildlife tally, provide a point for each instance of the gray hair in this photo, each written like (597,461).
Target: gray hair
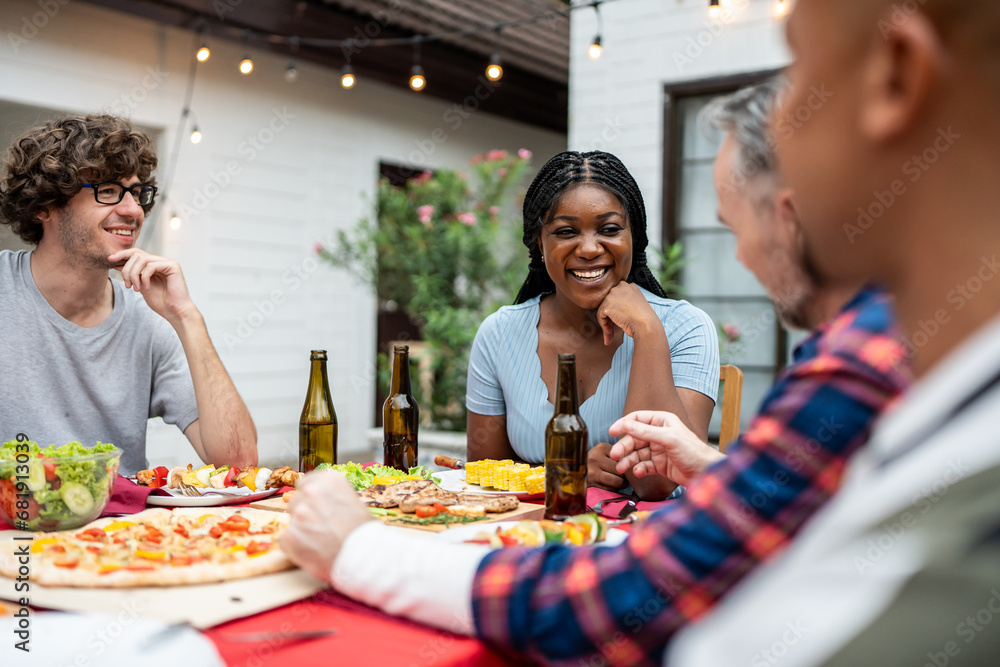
(746,114)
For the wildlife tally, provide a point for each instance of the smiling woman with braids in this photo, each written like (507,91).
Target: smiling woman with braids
(588,292)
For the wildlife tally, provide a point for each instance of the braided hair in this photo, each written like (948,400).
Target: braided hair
(553,179)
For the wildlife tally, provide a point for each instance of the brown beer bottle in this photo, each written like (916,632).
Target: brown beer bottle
(400,415)
(318,423)
(566,448)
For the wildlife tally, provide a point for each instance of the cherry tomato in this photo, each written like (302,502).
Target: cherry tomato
(50,472)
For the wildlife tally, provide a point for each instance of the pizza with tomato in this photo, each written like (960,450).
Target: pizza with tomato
(158,547)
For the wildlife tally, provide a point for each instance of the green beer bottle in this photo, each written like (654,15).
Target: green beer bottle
(566,448)
(318,423)
(400,415)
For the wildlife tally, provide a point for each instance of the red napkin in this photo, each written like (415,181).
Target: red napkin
(613,508)
(127,497)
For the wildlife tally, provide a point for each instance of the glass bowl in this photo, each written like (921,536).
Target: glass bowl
(56,493)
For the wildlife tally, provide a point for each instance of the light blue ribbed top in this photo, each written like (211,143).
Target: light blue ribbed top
(505,373)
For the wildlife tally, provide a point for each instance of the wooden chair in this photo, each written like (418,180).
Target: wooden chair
(732,397)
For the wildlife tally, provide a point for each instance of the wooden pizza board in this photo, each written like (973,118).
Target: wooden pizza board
(524,511)
(200,605)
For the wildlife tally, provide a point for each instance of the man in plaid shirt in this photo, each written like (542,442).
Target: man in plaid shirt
(623,604)
(620,605)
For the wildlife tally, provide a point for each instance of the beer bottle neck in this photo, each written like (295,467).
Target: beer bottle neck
(400,374)
(567,402)
(318,383)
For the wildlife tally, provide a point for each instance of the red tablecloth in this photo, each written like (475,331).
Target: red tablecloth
(364,636)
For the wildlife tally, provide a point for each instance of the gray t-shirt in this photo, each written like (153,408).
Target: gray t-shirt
(60,382)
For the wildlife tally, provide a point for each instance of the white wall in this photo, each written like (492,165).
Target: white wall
(616,102)
(247,240)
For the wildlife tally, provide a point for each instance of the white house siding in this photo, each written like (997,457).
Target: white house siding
(251,214)
(617,104)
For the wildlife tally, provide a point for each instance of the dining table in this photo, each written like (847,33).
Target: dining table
(327,628)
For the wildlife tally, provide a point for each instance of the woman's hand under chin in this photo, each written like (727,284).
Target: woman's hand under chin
(626,308)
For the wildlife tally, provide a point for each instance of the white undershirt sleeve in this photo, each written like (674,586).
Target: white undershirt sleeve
(410,575)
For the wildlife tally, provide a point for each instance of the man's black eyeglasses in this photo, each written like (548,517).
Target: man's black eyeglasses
(112,193)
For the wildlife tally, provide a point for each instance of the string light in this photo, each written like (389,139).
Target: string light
(175,221)
(347,78)
(714,10)
(204,53)
(417,78)
(494,71)
(195,135)
(781,8)
(291,74)
(246,65)
(595,49)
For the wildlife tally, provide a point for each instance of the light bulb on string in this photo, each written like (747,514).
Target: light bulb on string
(175,222)
(714,10)
(246,65)
(291,73)
(417,78)
(347,78)
(595,49)
(203,53)
(494,71)
(781,8)
(195,135)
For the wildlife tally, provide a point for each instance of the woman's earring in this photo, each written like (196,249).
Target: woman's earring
(542,257)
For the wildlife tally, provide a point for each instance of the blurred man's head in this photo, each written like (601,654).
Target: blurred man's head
(755,205)
(889,120)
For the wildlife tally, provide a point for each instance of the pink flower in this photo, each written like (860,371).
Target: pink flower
(501,172)
(524,153)
(425,212)
(319,249)
(732,332)
(421,178)
(496,154)
(494,210)
(467,218)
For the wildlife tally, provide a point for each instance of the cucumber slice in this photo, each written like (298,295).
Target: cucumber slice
(36,476)
(77,498)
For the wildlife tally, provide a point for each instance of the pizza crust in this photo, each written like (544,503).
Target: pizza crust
(43,572)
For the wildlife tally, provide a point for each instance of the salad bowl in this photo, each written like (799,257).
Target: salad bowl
(55,488)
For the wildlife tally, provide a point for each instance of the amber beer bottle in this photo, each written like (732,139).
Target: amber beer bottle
(400,415)
(318,423)
(566,448)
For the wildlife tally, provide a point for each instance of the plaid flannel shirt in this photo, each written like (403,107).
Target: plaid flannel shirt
(620,605)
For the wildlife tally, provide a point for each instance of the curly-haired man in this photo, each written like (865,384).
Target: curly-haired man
(85,357)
